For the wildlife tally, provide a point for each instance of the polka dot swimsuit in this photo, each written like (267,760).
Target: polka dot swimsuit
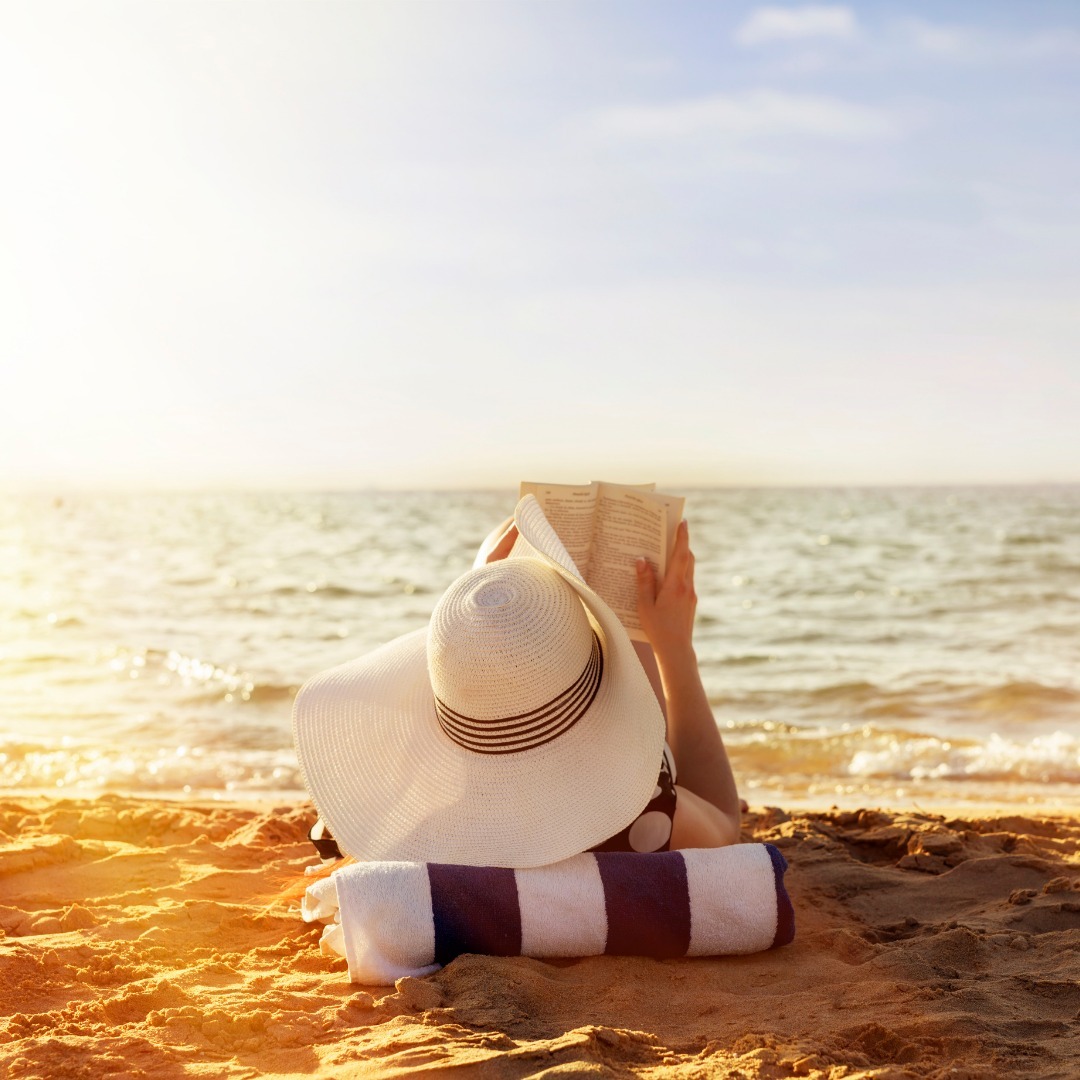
(651,829)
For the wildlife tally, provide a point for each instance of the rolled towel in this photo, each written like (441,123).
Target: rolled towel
(391,919)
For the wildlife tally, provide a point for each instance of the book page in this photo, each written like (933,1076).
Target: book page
(604,528)
(570,510)
(674,505)
(629,523)
(600,484)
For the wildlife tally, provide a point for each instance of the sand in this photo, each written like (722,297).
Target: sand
(143,938)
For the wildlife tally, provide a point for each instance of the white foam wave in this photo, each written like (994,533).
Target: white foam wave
(1043,759)
(86,770)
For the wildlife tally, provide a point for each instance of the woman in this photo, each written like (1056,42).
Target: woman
(522,726)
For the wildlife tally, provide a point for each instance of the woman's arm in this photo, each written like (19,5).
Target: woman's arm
(712,816)
(648,661)
(497,543)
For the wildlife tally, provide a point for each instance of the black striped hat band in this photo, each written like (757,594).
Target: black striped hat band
(527,730)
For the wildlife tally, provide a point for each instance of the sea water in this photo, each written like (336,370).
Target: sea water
(899,647)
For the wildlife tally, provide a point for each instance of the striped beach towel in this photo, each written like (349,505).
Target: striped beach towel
(391,919)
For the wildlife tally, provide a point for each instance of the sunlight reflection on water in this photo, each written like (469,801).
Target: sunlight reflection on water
(852,642)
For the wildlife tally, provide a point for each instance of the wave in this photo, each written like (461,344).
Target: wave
(867,753)
(344,592)
(1048,759)
(1027,539)
(36,660)
(195,680)
(1019,695)
(1019,701)
(53,619)
(1058,567)
(258,758)
(1070,630)
(805,637)
(88,770)
(859,690)
(268,692)
(246,693)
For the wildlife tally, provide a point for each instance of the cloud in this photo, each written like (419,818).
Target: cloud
(974,45)
(940,40)
(1051,44)
(758,112)
(789,24)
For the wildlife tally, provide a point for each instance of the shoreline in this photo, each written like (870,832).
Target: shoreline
(142,937)
(1058,804)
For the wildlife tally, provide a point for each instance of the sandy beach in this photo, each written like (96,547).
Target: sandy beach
(144,938)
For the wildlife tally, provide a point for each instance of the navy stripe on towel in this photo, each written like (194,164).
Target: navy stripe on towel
(785,913)
(647,901)
(475,909)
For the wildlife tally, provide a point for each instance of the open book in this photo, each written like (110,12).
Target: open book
(605,527)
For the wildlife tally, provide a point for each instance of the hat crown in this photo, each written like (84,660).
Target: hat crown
(390,780)
(506,639)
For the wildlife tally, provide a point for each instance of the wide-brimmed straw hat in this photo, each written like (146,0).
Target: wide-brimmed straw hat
(518,729)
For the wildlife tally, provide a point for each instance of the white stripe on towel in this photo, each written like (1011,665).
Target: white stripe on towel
(388,930)
(562,908)
(732,900)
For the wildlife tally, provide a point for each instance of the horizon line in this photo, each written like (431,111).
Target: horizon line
(61,491)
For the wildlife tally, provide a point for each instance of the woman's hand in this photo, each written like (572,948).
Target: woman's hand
(667,611)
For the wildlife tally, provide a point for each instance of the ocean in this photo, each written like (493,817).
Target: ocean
(909,648)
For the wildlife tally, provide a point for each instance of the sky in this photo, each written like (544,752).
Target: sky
(435,244)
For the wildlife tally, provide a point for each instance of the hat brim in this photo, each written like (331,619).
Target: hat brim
(391,785)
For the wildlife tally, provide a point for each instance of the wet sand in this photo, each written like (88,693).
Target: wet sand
(144,939)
